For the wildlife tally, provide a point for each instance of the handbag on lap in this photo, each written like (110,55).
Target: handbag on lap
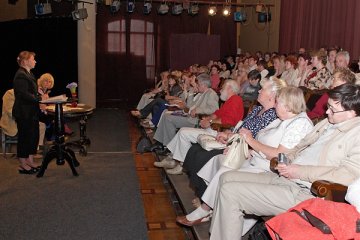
(238,152)
(209,142)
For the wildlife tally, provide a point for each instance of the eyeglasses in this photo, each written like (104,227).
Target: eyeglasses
(332,111)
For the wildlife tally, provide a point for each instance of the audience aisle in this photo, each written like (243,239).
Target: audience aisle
(159,211)
(104,202)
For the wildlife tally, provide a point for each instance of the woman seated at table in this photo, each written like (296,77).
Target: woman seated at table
(280,136)
(45,84)
(256,120)
(157,106)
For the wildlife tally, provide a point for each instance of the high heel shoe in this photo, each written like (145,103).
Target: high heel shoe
(30,171)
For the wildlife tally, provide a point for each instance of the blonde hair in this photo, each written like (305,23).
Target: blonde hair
(24,55)
(43,78)
(176,73)
(293,99)
(276,84)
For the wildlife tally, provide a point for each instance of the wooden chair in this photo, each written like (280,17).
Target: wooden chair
(6,141)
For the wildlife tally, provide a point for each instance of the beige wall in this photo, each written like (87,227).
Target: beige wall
(11,12)
(87,56)
(253,36)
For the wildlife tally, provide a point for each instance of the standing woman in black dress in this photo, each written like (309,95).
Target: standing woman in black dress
(26,112)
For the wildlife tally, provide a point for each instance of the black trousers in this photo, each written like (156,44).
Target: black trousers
(195,159)
(28,137)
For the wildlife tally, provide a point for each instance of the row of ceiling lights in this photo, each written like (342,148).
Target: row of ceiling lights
(164,8)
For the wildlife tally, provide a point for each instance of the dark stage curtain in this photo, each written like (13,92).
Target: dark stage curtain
(126,69)
(54,41)
(312,24)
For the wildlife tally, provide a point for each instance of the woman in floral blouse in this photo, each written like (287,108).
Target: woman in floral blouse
(320,77)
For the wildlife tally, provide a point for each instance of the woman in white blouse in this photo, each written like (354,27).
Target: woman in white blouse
(280,136)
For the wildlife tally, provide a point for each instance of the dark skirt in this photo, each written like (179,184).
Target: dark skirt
(28,137)
(195,159)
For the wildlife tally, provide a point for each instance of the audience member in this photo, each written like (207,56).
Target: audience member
(320,77)
(262,68)
(215,77)
(290,74)
(251,90)
(332,52)
(252,63)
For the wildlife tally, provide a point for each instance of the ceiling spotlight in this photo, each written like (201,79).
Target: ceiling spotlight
(79,14)
(227,11)
(212,11)
(259,8)
(163,9)
(147,8)
(194,9)
(130,6)
(176,9)
(115,6)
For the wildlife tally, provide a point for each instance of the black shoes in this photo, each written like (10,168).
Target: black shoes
(30,171)
(156,146)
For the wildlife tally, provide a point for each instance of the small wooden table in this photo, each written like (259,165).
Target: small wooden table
(61,150)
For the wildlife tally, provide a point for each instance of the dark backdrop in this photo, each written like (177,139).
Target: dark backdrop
(54,41)
(312,24)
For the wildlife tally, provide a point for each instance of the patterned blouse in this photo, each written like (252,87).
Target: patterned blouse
(318,79)
(255,122)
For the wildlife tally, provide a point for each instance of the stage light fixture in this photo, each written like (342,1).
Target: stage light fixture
(259,8)
(163,9)
(176,9)
(130,8)
(43,8)
(226,11)
(147,8)
(79,14)
(115,6)
(212,11)
(194,9)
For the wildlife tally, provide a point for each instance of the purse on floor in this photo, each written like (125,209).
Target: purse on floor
(238,152)
(209,142)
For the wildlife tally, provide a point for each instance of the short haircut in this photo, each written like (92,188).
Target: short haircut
(262,63)
(24,55)
(345,54)
(176,78)
(215,66)
(348,95)
(204,79)
(304,56)
(44,77)
(321,55)
(233,85)
(275,84)
(345,75)
(292,59)
(293,98)
(254,74)
(254,57)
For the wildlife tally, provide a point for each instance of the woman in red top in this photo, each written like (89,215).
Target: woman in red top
(214,77)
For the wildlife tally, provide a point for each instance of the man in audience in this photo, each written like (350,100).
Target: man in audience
(330,152)
(301,50)
(230,113)
(252,63)
(207,102)
(342,59)
(262,68)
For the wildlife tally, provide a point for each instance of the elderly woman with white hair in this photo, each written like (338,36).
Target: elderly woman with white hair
(279,136)
(231,112)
